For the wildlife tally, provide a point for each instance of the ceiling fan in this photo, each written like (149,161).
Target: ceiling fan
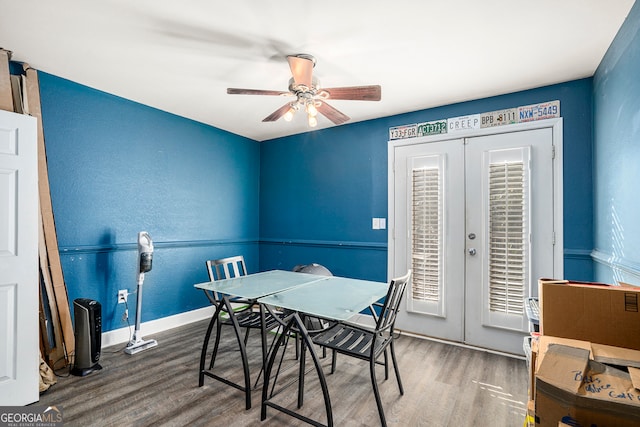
(310,97)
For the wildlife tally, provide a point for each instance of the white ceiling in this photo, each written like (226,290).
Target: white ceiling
(180,56)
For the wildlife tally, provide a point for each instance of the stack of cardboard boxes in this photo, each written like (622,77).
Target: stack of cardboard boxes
(585,365)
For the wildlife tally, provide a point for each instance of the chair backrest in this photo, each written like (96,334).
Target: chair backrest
(224,268)
(391,306)
(313,268)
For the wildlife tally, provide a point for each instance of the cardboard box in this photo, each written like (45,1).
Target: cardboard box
(573,389)
(532,366)
(600,313)
(599,352)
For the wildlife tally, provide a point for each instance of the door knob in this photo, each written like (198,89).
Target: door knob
(472,251)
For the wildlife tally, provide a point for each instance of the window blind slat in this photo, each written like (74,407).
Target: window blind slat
(426,227)
(507,251)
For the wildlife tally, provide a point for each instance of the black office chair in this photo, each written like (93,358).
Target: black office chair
(365,344)
(244,313)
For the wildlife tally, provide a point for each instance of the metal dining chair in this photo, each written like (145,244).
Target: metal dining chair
(369,344)
(226,268)
(241,311)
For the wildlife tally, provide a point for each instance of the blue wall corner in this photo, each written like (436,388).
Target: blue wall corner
(616,172)
(116,168)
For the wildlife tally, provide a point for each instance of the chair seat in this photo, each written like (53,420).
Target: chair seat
(368,344)
(251,319)
(350,340)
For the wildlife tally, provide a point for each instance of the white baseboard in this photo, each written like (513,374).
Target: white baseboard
(459,344)
(123,335)
(367,321)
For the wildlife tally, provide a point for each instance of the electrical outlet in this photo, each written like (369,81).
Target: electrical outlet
(122,296)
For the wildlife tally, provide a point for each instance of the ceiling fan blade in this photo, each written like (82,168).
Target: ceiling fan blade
(237,91)
(355,93)
(332,114)
(277,114)
(301,69)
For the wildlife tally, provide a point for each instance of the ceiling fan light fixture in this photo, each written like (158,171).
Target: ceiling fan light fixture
(288,116)
(305,87)
(311,109)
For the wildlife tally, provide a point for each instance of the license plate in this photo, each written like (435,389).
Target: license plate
(546,110)
(462,123)
(499,118)
(401,132)
(432,128)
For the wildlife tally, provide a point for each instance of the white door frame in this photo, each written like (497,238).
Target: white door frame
(558,213)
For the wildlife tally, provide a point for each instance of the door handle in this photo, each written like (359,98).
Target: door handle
(472,251)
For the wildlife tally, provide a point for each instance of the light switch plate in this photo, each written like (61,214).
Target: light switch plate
(375,223)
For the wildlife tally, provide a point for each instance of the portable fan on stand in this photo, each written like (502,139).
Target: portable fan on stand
(145,256)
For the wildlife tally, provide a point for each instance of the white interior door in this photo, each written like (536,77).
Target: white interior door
(19,361)
(474,219)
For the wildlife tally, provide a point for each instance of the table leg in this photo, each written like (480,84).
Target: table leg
(303,359)
(205,345)
(295,322)
(243,351)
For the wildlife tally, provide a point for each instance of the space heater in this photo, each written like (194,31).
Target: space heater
(88,333)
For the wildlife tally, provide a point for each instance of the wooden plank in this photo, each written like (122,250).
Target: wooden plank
(25,100)
(46,208)
(16,83)
(55,353)
(6,98)
(45,348)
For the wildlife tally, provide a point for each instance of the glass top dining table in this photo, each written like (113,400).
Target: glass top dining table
(331,297)
(256,285)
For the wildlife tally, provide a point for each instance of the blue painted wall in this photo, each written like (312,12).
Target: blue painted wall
(318,194)
(116,168)
(320,190)
(617,157)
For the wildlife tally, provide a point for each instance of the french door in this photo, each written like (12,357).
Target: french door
(474,219)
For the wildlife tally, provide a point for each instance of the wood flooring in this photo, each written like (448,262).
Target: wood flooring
(445,385)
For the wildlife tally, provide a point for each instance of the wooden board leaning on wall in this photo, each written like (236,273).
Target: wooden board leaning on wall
(21,94)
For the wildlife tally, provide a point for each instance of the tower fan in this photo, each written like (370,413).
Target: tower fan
(145,256)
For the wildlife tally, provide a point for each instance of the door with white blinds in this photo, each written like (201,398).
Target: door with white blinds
(429,207)
(474,219)
(509,233)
